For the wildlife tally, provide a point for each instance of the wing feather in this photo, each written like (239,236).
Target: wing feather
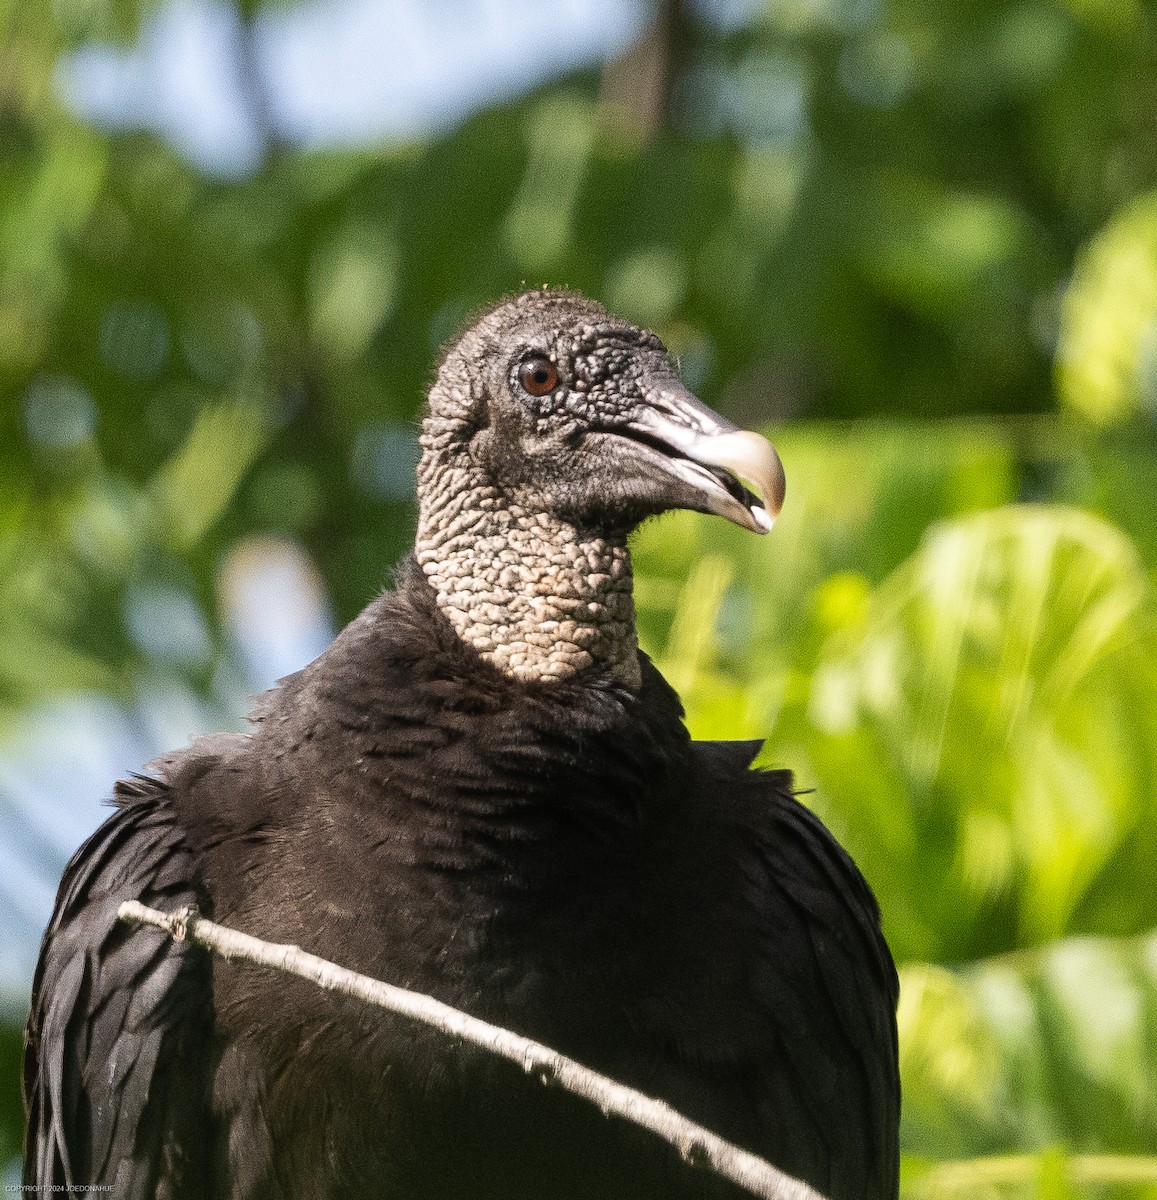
(824,984)
(119,1018)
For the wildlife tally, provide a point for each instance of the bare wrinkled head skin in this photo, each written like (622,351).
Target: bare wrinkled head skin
(553,430)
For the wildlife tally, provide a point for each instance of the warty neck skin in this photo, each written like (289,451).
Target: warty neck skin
(535,596)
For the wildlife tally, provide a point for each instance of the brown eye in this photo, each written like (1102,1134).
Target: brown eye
(538,375)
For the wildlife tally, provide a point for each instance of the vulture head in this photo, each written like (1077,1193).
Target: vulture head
(553,430)
(568,411)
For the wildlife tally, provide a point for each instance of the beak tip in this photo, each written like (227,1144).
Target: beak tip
(762,519)
(753,458)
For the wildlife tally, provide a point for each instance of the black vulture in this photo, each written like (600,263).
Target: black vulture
(484,791)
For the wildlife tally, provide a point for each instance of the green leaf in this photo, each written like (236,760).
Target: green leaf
(193,488)
(1050,1175)
(1022,1053)
(1107,357)
(999,686)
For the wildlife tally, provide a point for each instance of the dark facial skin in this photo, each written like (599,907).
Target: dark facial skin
(566,416)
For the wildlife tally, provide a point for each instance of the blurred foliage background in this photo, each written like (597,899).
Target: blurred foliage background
(917,241)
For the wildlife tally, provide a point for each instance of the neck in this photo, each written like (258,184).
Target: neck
(535,596)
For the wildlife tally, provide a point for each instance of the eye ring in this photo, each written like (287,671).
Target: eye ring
(538,376)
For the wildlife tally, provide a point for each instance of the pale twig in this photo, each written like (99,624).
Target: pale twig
(697,1145)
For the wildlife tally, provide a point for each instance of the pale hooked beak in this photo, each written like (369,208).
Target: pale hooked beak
(737,473)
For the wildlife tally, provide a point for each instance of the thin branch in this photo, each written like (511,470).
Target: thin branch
(252,81)
(697,1145)
(639,86)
